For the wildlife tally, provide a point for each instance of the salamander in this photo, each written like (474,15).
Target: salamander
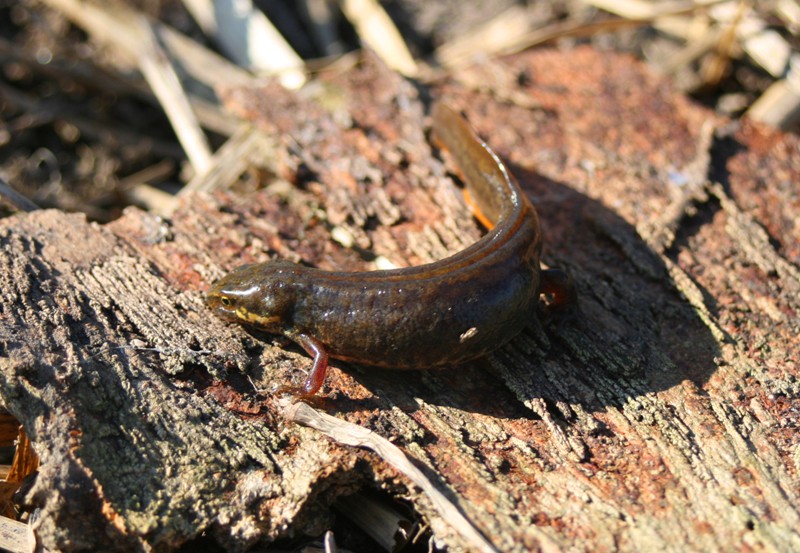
(434,315)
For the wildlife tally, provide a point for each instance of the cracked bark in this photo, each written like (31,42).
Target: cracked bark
(663,416)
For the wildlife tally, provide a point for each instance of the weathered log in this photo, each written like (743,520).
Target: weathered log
(662,416)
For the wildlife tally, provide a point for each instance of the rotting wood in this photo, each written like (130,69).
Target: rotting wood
(357,436)
(662,417)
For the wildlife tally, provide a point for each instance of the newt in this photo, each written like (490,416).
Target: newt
(439,314)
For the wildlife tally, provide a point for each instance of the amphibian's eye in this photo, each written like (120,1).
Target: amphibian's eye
(226,301)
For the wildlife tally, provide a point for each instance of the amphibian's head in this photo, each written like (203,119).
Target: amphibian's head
(259,295)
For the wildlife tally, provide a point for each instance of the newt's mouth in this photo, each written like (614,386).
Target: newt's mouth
(259,321)
(226,308)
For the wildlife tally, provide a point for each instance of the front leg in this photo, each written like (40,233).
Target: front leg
(316,377)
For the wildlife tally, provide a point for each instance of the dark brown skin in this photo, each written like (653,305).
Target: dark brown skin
(442,313)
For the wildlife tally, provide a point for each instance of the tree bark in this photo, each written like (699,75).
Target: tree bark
(661,416)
